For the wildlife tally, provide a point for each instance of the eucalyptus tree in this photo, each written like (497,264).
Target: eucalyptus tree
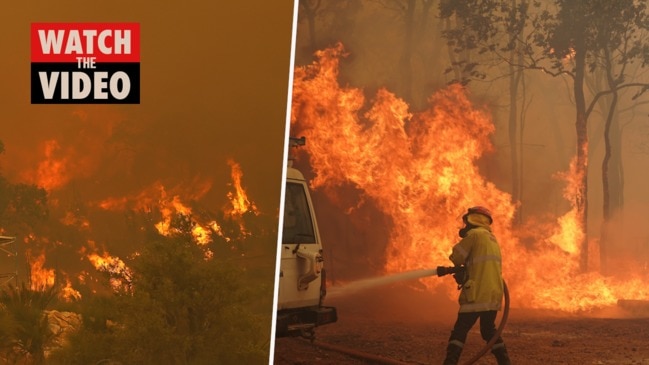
(561,38)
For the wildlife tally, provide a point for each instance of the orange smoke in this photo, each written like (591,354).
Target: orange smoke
(52,171)
(59,165)
(421,171)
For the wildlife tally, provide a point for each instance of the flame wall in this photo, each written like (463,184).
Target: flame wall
(415,174)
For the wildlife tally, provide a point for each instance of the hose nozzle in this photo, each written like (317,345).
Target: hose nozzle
(445,270)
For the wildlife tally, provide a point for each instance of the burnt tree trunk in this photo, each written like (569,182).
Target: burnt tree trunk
(581,195)
(310,9)
(406,56)
(515,133)
(609,178)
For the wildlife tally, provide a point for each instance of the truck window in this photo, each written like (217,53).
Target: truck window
(298,227)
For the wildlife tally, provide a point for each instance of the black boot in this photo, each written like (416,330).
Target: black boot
(500,352)
(453,352)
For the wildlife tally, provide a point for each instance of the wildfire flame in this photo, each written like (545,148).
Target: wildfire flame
(120,274)
(68,293)
(40,277)
(100,155)
(239,199)
(421,170)
(168,208)
(170,204)
(240,204)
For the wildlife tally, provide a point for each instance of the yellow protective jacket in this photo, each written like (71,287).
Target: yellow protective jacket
(480,253)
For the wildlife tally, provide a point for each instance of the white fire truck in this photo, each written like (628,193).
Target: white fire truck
(302,280)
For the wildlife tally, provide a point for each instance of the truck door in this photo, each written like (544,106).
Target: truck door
(301,250)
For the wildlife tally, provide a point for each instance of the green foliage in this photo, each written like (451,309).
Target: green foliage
(592,26)
(22,205)
(24,321)
(8,326)
(195,307)
(96,339)
(546,32)
(480,27)
(184,309)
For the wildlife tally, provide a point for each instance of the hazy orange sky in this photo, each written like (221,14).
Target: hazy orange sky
(214,81)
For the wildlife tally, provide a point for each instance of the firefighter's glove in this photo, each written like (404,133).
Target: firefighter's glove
(460,277)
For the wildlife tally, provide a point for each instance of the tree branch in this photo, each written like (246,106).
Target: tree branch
(600,94)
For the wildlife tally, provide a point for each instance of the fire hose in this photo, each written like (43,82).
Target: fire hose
(440,271)
(444,270)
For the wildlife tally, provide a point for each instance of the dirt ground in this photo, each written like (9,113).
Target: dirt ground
(413,327)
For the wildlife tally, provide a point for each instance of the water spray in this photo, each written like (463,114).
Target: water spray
(440,271)
(364,284)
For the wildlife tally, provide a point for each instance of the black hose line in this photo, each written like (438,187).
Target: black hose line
(500,329)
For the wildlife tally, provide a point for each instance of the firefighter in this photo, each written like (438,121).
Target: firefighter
(481,283)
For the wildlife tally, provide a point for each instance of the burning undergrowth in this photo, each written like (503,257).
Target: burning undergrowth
(140,231)
(72,234)
(393,183)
